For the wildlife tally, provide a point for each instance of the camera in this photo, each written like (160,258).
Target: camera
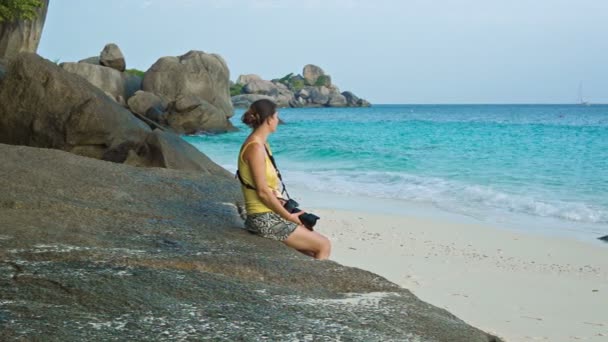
(308,220)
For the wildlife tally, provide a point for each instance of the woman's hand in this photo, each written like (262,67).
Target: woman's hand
(295,217)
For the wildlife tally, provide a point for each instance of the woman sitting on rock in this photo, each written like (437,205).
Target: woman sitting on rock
(266,215)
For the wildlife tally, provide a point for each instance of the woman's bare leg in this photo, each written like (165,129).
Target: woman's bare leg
(308,241)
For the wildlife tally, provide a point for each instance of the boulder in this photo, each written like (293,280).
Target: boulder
(199,74)
(112,57)
(303,93)
(311,73)
(337,100)
(43,105)
(170,151)
(157,115)
(96,251)
(319,95)
(363,103)
(260,87)
(244,79)
(117,84)
(245,100)
(22,35)
(351,99)
(142,101)
(90,60)
(191,115)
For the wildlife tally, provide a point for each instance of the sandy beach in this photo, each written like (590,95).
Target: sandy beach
(521,287)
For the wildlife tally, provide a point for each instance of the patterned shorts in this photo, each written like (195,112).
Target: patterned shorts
(269,225)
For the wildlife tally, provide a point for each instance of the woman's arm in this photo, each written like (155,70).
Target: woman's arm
(255,156)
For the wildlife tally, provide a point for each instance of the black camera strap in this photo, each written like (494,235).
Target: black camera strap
(274,164)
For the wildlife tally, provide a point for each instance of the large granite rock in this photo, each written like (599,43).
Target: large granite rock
(311,73)
(244,79)
(120,86)
(142,101)
(112,57)
(22,35)
(42,105)
(259,87)
(198,74)
(353,101)
(96,251)
(245,100)
(168,150)
(191,115)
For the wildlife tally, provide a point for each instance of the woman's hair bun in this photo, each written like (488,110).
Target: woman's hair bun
(258,112)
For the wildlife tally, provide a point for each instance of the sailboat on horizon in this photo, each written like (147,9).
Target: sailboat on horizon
(581,101)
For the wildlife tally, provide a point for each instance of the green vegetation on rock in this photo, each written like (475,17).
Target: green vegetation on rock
(11,10)
(236,89)
(296,84)
(285,79)
(135,72)
(323,80)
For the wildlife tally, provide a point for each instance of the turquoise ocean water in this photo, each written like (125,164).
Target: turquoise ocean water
(532,166)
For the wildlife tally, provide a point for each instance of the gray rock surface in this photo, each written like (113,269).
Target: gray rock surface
(353,101)
(199,74)
(45,106)
(244,79)
(259,87)
(191,115)
(311,73)
(117,84)
(245,100)
(90,60)
(112,57)
(168,150)
(142,101)
(22,35)
(337,100)
(97,251)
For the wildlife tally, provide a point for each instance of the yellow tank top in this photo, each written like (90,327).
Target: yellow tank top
(253,204)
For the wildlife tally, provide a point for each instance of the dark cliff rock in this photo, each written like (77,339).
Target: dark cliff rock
(92,250)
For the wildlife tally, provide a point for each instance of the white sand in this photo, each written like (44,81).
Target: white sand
(518,286)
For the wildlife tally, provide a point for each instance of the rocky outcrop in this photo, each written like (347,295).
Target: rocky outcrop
(22,35)
(119,85)
(195,75)
(245,100)
(96,251)
(112,57)
(354,101)
(311,73)
(43,105)
(314,89)
(142,101)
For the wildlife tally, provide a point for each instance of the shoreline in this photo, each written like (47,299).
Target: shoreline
(517,285)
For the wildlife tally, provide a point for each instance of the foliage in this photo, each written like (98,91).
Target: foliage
(296,85)
(323,80)
(236,89)
(135,72)
(285,79)
(11,10)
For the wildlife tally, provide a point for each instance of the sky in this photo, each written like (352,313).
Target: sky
(386,51)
